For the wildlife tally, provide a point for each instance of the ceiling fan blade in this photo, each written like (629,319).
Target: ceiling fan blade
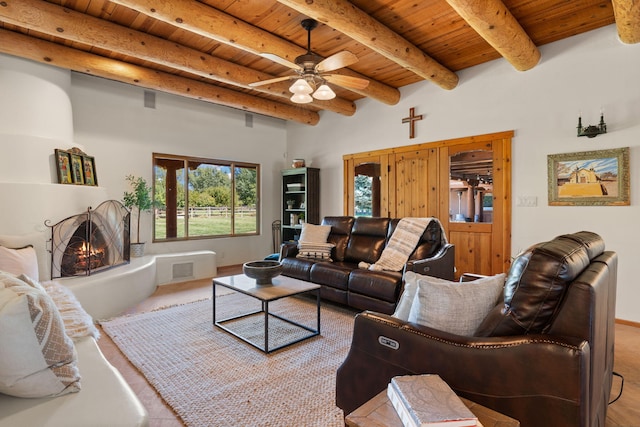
(346,81)
(268,82)
(281,61)
(338,60)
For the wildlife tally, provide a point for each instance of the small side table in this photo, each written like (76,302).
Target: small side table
(379,412)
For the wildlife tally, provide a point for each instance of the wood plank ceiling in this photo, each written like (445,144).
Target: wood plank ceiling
(210,49)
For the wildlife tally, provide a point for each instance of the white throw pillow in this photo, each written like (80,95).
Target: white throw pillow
(403,309)
(19,261)
(455,307)
(77,322)
(312,233)
(37,358)
(39,242)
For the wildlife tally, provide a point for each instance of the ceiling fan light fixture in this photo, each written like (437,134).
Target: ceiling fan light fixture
(324,93)
(301,86)
(301,98)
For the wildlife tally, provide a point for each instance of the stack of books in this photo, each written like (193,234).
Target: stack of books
(428,401)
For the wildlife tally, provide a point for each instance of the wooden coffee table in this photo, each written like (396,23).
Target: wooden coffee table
(281,287)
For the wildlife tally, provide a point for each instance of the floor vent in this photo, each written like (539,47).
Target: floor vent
(184,270)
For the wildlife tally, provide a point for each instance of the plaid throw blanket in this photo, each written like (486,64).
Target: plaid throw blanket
(401,245)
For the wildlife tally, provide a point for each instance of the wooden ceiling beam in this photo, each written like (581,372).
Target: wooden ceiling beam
(74,26)
(493,22)
(357,24)
(39,50)
(209,22)
(627,13)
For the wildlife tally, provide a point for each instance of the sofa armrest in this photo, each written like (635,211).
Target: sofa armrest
(513,375)
(105,398)
(441,264)
(288,250)
(470,277)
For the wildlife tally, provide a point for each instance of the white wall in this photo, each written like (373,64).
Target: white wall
(51,108)
(113,125)
(583,73)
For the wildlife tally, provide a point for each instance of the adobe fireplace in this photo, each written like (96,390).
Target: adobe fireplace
(90,242)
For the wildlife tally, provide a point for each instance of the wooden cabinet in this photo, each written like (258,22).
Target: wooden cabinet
(464,182)
(300,200)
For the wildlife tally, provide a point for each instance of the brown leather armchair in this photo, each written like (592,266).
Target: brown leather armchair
(543,356)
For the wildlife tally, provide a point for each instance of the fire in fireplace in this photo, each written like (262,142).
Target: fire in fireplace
(90,242)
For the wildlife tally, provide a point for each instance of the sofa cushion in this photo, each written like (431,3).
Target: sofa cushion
(454,307)
(406,297)
(430,241)
(368,239)
(334,275)
(340,233)
(19,261)
(37,358)
(39,242)
(77,322)
(298,268)
(105,400)
(383,285)
(312,233)
(537,282)
(313,242)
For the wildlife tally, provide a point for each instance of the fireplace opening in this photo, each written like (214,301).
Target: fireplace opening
(91,242)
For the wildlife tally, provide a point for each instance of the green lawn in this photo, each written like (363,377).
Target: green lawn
(209,226)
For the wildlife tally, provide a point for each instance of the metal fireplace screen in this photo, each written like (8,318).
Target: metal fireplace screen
(91,242)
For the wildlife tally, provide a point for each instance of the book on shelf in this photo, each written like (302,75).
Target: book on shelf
(428,401)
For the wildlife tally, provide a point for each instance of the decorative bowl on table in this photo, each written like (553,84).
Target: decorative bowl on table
(262,271)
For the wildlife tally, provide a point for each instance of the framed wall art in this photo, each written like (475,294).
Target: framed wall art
(89,169)
(63,167)
(589,178)
(76,169)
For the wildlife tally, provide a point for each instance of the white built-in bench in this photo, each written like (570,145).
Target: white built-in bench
(106,294)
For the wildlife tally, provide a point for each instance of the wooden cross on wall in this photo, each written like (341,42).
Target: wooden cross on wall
(412,119)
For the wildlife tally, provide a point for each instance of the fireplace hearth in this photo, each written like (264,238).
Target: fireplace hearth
(90,242)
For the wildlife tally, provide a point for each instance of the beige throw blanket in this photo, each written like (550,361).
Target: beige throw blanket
(401,245)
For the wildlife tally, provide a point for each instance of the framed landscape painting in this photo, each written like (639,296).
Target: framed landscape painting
(589,178)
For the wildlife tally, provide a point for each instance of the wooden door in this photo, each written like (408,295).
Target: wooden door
(475,209)
(367,193)
(413,179)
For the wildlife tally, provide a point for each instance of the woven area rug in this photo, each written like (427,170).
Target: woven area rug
(211,378)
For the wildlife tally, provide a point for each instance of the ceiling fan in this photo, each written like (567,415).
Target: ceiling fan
(311,72)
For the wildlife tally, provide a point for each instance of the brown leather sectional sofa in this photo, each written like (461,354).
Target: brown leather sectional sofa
(364,239)
(543,355)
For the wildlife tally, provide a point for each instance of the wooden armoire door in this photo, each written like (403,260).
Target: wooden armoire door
(413,177)
(475,208)
(367,193)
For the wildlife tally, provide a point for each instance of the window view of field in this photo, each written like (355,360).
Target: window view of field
(217,202)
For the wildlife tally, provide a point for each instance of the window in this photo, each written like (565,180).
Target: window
(204,198)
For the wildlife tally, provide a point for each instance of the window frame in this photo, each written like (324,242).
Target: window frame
(232,165)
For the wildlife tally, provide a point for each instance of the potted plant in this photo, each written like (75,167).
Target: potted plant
(290,204)
(139,200)
(301,217)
